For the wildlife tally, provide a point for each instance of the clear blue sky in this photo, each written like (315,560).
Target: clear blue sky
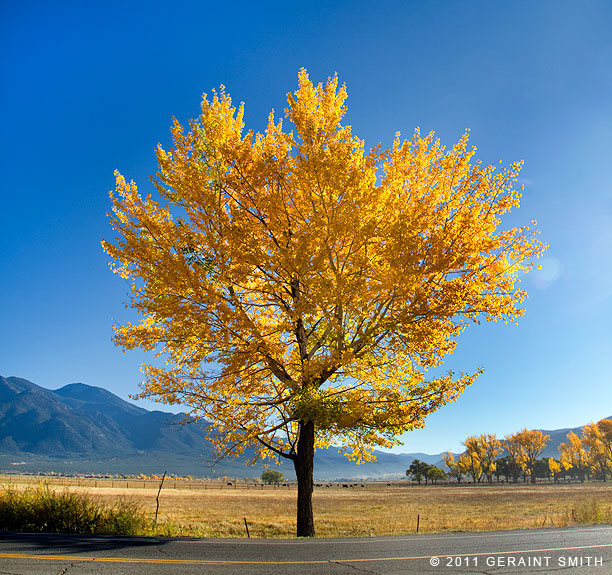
(91,87)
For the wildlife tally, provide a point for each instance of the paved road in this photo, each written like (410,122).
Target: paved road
(579,551)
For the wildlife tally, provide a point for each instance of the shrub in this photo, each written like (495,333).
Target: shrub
(272,476)
(41,509)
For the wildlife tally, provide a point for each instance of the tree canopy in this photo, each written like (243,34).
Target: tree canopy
(272,476)
(525,447)
(300,286)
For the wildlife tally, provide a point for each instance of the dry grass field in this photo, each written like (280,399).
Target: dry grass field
(209,509)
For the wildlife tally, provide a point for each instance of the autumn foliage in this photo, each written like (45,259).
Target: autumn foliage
(592,452)
(581,456)
(300,286)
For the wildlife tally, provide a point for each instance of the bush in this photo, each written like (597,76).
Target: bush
(272,476)
(41,509)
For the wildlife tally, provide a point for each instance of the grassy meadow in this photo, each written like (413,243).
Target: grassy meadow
(208,509)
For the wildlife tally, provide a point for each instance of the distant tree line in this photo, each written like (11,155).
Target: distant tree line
(589,455)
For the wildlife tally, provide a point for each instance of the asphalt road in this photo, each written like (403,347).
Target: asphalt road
(580,551)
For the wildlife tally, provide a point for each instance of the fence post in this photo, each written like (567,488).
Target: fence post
(157,498)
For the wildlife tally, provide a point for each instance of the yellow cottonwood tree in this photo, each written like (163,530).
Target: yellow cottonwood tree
(490,448)
(574,455)
(555,467)
(455,469)
(299,287)
(525,446)
(514,447)
(465,464)
(598,438)
(472,452)
(482,451)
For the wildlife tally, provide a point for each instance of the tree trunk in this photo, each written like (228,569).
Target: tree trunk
(304,465)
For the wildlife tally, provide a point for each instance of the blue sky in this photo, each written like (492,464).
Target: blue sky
(90,88)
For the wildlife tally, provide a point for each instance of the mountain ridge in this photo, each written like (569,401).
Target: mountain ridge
(80,428)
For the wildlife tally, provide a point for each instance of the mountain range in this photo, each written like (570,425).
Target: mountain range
(84,429)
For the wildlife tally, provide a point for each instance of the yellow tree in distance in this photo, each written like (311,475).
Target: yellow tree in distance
(598,438)
(555,467)
(574,455)
(455,469)
(489,447)
(513,445)
(474,455)
(525,447)
(299,287)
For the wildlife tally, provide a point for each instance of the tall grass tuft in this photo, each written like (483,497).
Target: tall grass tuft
(587,511)
(41,509)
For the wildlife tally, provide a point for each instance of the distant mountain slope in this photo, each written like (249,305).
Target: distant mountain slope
(79,419)
(36,420)
(79,428)
(90,398)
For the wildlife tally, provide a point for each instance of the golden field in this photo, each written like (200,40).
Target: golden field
(211,509)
